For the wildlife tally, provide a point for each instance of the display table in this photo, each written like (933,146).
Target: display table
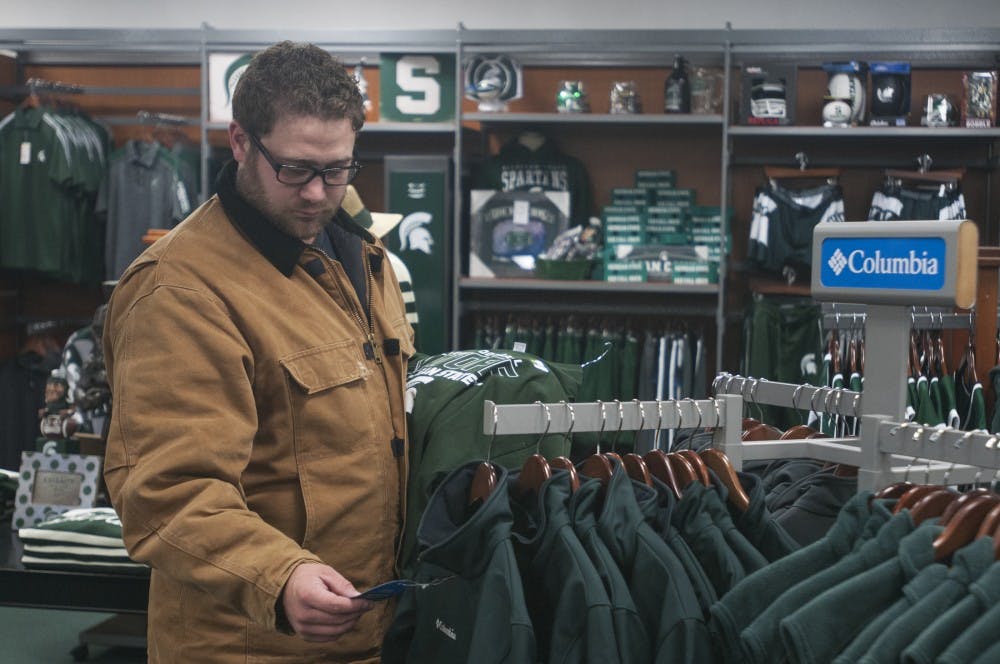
(81,591)
(123,594)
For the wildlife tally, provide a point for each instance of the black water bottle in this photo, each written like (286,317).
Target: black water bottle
(677,90)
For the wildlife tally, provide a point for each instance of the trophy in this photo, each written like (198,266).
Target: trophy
(493,81)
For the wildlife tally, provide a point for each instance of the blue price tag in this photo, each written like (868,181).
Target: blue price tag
(386,590)
(396,587)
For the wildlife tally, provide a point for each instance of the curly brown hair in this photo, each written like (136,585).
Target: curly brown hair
(291,79)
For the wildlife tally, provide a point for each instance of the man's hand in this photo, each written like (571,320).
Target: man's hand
(317,604)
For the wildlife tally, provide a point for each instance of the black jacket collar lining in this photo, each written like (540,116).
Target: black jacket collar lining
(281,250)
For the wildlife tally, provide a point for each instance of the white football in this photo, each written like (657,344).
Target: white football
(848,86)
(837,111)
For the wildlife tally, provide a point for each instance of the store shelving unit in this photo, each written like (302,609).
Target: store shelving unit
(593,56)
(728,148)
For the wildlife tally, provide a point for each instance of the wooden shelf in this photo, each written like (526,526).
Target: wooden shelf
(866,133)
(556,285)
(593,118)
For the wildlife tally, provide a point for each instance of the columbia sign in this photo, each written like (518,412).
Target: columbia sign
(916,263)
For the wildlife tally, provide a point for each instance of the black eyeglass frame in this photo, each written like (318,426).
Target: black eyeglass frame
(351,169)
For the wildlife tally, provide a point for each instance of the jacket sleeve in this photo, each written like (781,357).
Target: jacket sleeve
(182,429)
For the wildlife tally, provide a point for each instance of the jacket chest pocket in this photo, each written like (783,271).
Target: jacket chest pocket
(330,410)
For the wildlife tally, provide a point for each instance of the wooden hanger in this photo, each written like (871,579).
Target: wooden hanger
(963,526)
(762,432)
(962,500)
(684,472)
(951,176)
(483,484)
(895,490)
(660,468)
(636,468)
(719,463)
(967,369)
(634,465)
(485,479)
(535,470)
(797,432)
(598,467)
(700,468)
(990,523)
(789,173)
(563,463)
(913,495)
(932,505)
(923,175)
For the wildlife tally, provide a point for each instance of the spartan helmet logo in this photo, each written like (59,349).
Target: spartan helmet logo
(414,234)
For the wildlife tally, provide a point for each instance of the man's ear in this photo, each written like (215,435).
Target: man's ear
(239,142)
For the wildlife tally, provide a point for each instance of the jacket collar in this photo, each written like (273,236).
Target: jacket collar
(280,249)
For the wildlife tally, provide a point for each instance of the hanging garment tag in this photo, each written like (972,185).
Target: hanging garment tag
(25,153)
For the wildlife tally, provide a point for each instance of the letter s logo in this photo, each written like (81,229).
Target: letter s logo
(427,100)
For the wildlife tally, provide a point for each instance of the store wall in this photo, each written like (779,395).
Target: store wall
(510,14)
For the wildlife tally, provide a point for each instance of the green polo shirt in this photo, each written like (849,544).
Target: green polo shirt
(983,593)
(35,175)
(808,634)
(916,611)
(761,641)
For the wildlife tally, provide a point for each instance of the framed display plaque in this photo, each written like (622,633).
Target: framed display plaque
(50,484)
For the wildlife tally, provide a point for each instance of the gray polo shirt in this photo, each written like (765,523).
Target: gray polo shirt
(141,191)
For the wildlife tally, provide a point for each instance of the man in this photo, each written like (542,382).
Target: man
(257,358)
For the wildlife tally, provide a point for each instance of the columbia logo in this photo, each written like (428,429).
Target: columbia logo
(445,629)
(416,190)
(837,262)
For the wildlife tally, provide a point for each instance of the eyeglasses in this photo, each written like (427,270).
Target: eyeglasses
(335,176)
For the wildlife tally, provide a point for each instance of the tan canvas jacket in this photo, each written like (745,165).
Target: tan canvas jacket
(252,430)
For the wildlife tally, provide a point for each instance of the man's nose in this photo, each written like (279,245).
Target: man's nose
(314,190)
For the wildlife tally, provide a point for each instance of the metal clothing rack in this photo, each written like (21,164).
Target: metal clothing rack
(722,414)
(846,403)
(933,455)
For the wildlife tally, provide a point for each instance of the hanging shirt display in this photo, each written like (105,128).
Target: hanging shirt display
(50,165)
(143,190)
(897,203)
(781,229)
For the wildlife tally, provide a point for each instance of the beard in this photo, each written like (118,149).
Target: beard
(303,221)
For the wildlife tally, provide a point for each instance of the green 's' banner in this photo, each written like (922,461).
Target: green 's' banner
(417,88)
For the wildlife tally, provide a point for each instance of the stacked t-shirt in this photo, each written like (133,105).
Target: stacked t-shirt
(80,540)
